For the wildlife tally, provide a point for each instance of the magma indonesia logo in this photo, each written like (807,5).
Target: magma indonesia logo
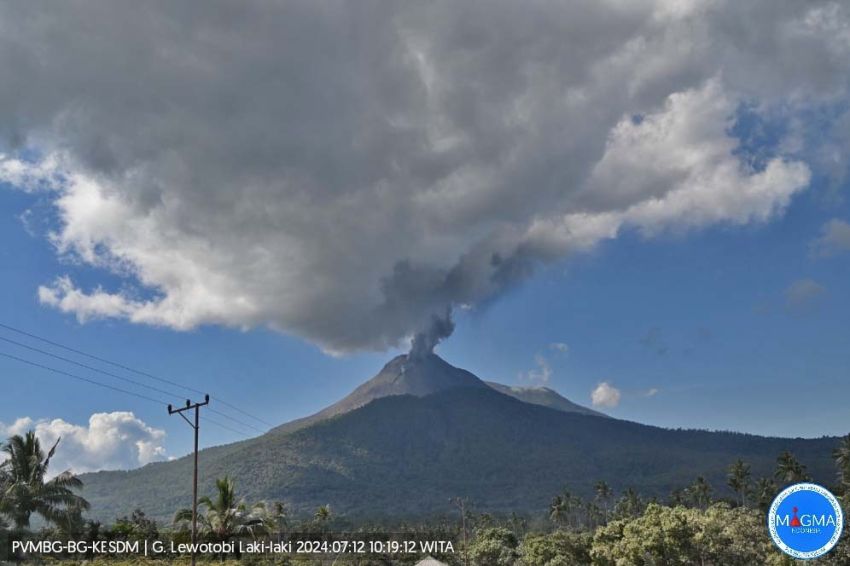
(805,521)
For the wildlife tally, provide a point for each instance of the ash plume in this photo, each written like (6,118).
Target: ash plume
(355,168)
(424,342)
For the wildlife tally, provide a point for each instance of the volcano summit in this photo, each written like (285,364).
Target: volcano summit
(422,431)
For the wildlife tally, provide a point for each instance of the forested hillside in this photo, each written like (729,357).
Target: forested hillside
(406,455)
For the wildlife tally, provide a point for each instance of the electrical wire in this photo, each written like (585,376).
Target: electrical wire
(92,381)
(138,372)
(122,378)
(113,388)
(225,427)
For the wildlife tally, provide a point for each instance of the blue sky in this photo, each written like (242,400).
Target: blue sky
(702,318)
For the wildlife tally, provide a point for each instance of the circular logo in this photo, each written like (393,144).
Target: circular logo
(805,521)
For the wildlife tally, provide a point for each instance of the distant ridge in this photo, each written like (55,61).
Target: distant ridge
(423,431)
(425,375)
(545,397)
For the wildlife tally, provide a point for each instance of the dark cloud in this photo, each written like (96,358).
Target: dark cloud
(426,339)
(347,171)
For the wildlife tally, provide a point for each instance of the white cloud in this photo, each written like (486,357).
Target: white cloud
(31,176)
(605,395)
(834,239)
(86,306)
(651,392)
(117,440)
(350,171)
(539,376)
(560,347)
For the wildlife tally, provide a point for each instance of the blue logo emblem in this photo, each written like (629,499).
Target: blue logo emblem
(805,521)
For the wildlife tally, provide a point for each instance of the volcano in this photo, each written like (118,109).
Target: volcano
(403,375)
(422,431)
(544,397)
(425,375)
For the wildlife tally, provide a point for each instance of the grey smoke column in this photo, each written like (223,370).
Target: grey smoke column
(343,171)
(424,342)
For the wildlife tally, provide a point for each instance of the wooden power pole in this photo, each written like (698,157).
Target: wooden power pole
(460,503)
(195,426)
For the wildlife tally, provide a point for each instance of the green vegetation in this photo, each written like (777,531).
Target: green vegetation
(739,480)
(24,489)
(224,518)
(691,528)
(687,527)
(789,470)
(404,457)
(658,536)
(842,460)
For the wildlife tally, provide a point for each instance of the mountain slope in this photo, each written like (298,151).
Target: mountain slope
(543,396)
(424,375)
(403,375)
(406,455)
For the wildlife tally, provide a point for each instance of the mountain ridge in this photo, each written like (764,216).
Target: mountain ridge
(405,455)
(543,396)
(421,375)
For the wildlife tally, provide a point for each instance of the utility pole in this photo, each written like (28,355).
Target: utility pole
(195,426)
(460,503)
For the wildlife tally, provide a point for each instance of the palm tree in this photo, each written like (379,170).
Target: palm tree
(558,510)
(273,517)
(323,514)
(25,487)
(765,491)
(225,517)
(563,509)
(518,524)
(678,497)
(4,503)
(739,479)
(842,460)
(604,493)
(322,518)
(71,525)
(700,492)
(629,504)
(789,469)
(3,524)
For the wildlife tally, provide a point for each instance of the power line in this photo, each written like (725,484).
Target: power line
(238,410)
(111,387)
(122,378)
(234,419)
(225,427)
(93,357)
(139,372)
(92,381)
(76,363)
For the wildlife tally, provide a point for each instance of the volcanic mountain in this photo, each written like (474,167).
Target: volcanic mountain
(425,375)
(422,431)
(544,397)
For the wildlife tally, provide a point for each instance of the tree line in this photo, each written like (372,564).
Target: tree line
(690,526)
(567,510)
